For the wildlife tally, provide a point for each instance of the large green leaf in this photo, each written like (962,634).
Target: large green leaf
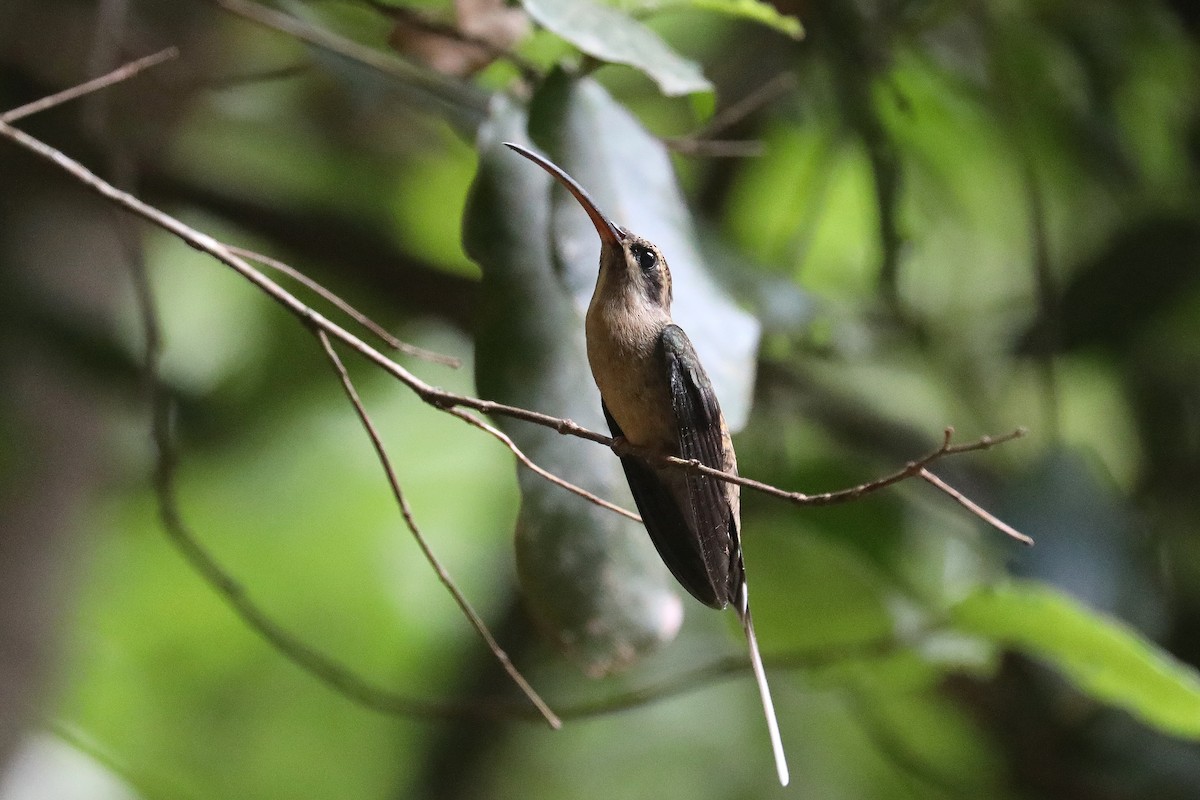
(591,577)
(628,173)
(609,35)
(1106,659)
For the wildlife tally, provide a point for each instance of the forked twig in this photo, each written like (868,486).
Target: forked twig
(911,469)
(460,99)
(122,73)
(349,310)
(545,473)
(334,674)
(326,669)
(702,142)
(434,396)
(406,511)
(975,508)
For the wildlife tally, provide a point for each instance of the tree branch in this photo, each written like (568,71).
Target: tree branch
(406,511)
(119,74)
(349,310)
(326,669)
(462,101)
(910,470)
(440,398)
(545,473)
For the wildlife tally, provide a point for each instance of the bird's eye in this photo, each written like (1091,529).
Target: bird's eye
(646,259)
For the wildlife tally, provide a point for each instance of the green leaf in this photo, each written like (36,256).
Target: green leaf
(590,577)
(609,35)
(752,10)
(1103,657)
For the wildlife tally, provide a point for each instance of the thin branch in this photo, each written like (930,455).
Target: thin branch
(406,511)
(321,666)
(545,473)
(975,508)
(205,243)
(437,397)
(730,666)
(349,310)
(725,118)
(119,74)
(911,469)
(701,142)
(334,674)
(330,672)
(467,103)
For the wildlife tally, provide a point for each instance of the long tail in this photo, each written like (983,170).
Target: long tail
(764,691)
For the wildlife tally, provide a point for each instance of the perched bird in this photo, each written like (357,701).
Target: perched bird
(656,395)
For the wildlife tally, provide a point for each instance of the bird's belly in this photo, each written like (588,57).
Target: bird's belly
(635,391)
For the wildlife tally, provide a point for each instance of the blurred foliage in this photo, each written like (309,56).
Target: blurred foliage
(983,214)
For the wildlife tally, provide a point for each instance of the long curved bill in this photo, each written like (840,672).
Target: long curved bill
(610,234)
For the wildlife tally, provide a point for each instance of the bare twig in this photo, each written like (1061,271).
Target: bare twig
(347,309)
(911,469)
(326,669)
(975,508)
(334,674)
(701,142)
(119,74)
(406,511)
(330,672)
(434,396)
(462,100)
(545,473)
(725,118)
(720,669)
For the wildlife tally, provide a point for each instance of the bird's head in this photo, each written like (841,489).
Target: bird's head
(628,263)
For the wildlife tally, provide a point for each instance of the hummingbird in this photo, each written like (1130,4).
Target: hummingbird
(656,395)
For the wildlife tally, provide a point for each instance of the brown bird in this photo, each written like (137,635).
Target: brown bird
(656,395)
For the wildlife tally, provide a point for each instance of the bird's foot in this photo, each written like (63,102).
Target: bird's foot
(621,446)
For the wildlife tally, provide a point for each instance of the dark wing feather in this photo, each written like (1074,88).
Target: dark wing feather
(702,437)
(689,516)
(665,523)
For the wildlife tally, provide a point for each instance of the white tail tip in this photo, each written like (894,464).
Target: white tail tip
(764,691)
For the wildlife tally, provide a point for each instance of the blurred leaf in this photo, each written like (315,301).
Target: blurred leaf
(1105,305)
(753,10)
(812,594)
(808,205)
(609,35)
(187,701)
(427,221)
(628,173)
(930,738)
(591,577)
(1109,661)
